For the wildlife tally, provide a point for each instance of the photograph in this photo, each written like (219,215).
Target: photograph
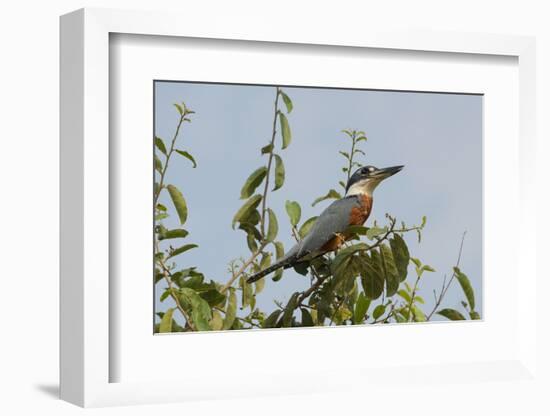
(285,206)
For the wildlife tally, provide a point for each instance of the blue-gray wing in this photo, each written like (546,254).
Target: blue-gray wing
(334,219)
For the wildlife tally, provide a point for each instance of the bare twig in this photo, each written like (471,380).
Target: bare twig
(446,287)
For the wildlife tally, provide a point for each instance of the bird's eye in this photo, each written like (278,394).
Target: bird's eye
(365,171)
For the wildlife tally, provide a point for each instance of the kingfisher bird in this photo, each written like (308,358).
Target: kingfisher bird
(329,231)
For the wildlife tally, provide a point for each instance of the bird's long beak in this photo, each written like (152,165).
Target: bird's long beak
(386,172)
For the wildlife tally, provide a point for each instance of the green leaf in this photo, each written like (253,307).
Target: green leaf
(158,276)
(287,101)
(361,308)
(273,228)
(177,233)
(372,275)
(247,298)
(302,268)
(179,108)
(332,194)
(188,156)
(231,311)
(427,268)
(416,262)
(165,295)
(181,250)
(166,322)
(195,280)
(466,287)
(259,285)
(418,314)
(252,218)
(405,295)
(474,315)
(390,270)
(253,181)
(307,320)
(289,310)
(213,296)
(271,320)
(401,255)
(285,130)
(251,242)
(179,203)
(348,132)
(158,164)
(266,261)
(294,212)
(345,154)
(250,205)
(201,313)
(267,149)
(378,311)
(277,275)
(160,145)
(216,323)
(161,216)
(451,314)
(279,172)
(344,264)
(306,226)
(356,229)
(375,232)
(279,250)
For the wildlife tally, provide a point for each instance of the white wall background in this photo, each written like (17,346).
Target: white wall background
(29,213)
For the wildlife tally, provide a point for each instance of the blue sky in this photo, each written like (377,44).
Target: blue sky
(438,137)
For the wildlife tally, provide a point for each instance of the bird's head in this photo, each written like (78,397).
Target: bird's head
(365,179)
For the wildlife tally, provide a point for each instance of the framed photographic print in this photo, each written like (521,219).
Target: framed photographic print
(264,198)
(348,253)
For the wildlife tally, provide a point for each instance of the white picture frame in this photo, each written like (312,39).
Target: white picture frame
(86,356)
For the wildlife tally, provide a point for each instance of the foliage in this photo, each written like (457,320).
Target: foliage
(368,281)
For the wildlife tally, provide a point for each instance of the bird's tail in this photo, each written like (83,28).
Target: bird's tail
(285,262)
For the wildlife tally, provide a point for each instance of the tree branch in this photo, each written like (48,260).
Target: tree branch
(350,165)
(411,301)
(269,162)
(445,288)
(165,167)
(168,277)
